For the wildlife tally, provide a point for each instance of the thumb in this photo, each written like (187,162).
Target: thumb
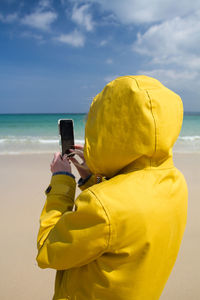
(75,161)
(57,156)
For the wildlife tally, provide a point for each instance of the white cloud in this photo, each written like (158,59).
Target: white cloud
(185,83)
(173,56)
(172,77)
(143,11)
(82,17)
(44,4)
(10,18)
(172,42)
(109,61)
(103,43)
(74,38)
(42,17)
(27,34)
(40,20)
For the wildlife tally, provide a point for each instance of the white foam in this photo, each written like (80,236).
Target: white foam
(80,142)
(14,145)
(48,141)
(190,138)
(30,139)
(25,152)
(49,144)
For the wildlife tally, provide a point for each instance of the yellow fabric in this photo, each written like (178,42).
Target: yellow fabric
(91,181)
(121,239)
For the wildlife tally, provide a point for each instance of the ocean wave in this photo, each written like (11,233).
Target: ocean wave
(47,141)
(50,144)
(34,140)
(54,139)
(14,145)
(190,138)
(25,152)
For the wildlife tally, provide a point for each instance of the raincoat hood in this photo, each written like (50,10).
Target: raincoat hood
(134,120)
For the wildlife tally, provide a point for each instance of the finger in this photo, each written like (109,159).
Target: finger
(58,156)
(78,152)
(54,156)
(71,153)
(74,161)
(77,164)
(83,167)
(64,157)
(80,147)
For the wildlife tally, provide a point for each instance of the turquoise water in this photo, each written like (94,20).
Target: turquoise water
(35,133)
(189,138)
(38,133)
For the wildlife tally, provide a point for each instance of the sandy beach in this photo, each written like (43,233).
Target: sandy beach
(23,180)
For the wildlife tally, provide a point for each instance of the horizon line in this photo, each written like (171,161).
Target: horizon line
(76,113)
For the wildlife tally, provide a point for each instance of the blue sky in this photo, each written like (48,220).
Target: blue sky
(56,55)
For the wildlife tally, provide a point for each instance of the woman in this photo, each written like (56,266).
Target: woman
(121,239)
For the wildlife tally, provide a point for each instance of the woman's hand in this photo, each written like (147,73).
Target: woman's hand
(60,164)
(81,167)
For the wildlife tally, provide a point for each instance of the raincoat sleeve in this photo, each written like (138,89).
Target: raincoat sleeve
(70,238)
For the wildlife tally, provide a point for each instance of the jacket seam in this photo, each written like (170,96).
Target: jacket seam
(151,108)
(109,223)
(151,169)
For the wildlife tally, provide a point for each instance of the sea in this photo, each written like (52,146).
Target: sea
(38,133)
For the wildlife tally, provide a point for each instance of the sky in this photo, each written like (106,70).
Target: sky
(56,55)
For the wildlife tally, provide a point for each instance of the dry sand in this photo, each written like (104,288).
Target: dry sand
(23,179)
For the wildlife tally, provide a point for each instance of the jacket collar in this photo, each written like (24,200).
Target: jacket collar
(149,163)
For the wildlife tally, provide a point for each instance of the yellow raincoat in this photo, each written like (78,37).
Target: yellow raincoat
(122,239)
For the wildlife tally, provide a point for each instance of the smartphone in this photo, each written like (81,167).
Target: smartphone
(66,131)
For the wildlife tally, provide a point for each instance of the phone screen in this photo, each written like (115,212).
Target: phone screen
(67,135)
